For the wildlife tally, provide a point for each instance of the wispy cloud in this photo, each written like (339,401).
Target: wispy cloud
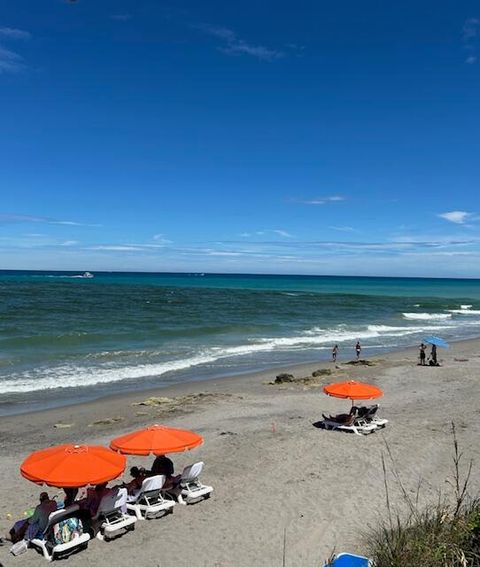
(322,200)
(117,248)
(457,217)
(161,240)
(343,228)
(278,231)
(13,33)
(282,233)
(133,247)
(9,218)
(10,61)
(470,38)
(231,44)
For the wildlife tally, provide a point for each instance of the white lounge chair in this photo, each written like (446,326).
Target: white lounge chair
(149,501)
(111,516)
(47,545)
(372,417)
(359,427)
(189,488)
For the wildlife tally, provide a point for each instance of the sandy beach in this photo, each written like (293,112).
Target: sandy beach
(273,472)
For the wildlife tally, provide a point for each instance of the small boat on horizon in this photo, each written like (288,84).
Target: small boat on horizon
(87,275)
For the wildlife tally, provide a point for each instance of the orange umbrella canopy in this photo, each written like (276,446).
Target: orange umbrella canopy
(156,439)
(72,466)
(353,390)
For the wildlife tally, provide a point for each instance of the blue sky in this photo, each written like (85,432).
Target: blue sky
(267,137)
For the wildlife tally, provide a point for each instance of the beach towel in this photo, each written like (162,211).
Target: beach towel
(66,530)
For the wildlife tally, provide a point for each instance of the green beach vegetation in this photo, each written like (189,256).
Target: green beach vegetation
(443,534)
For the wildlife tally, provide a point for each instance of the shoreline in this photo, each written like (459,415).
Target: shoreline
(225,382)
(186,387)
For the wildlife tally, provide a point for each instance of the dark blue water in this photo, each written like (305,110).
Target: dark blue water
(65,337)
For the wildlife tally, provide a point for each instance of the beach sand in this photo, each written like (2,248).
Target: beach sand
(273,472)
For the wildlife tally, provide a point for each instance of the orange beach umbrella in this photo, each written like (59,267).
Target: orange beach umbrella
(72,466)
(156,439)
(353,390)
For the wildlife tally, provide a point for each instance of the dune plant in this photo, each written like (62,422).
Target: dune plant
(443,534)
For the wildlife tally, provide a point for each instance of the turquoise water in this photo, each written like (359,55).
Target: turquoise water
(64,337)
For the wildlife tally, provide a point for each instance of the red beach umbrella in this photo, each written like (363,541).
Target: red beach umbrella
(73,466)
(353,390)
(156,439)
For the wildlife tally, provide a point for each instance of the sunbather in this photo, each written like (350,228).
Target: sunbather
(93,499)
(343,418)
(164,465)
(70,496)
(138,476)
(36,524)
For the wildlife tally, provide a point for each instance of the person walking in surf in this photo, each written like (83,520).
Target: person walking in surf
(358,350)
(334,353)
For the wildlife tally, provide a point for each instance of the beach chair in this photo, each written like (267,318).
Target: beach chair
(370,416)
(48,544)
(111,517)
(349,560)
(189,489)
(149,502)
(354,425)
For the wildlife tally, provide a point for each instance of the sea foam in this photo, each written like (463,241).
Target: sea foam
(427,316)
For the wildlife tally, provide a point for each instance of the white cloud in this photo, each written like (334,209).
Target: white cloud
(278,231)
(457,217)
(69,243)
(343,228)
(470,38)
(233,45)
(323,200)
(221,253)
(282,233)
(13,33)
(117,248)
(160,239)
(14,218)
(471,29)
(10,62)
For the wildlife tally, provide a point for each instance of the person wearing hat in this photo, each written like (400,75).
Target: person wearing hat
(36,524)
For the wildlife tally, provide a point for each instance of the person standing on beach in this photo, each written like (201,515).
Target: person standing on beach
(358,349)
(422,354)
(334,353)
(433,356)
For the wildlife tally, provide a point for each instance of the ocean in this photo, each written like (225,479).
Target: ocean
(67,338)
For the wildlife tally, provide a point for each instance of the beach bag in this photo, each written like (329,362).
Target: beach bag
(66,530)
(19,547)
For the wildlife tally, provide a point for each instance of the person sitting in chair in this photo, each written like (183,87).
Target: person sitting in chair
(343,418)
(138,476)
(36,524)
(164,465)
